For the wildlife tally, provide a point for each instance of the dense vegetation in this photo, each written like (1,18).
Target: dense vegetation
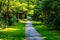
(48,12)
(45,32)
(45,11)
(13,10)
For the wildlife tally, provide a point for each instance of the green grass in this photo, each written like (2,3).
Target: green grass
(16,32)
(47,34)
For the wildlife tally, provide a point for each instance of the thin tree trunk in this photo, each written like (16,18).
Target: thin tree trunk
(0,6)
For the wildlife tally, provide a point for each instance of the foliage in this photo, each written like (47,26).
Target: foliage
(46,11)
(13,10)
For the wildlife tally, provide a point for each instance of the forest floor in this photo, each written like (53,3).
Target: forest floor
(46,33)
(15,32)
(31,33)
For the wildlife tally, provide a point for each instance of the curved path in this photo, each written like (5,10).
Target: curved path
(31,33)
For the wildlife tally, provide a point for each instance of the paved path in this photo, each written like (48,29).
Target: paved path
(31,33)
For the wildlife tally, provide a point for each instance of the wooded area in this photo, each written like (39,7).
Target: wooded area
(47,12)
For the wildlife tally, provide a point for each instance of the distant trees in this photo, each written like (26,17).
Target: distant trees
(48,11)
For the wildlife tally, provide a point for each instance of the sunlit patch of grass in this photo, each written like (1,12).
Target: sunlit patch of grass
(9,29)
(0,28)
(36,22)
(22,21)
(1,39)
(44,37)
(15,32)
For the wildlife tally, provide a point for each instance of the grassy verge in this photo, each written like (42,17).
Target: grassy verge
(47,34)
(16,32)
